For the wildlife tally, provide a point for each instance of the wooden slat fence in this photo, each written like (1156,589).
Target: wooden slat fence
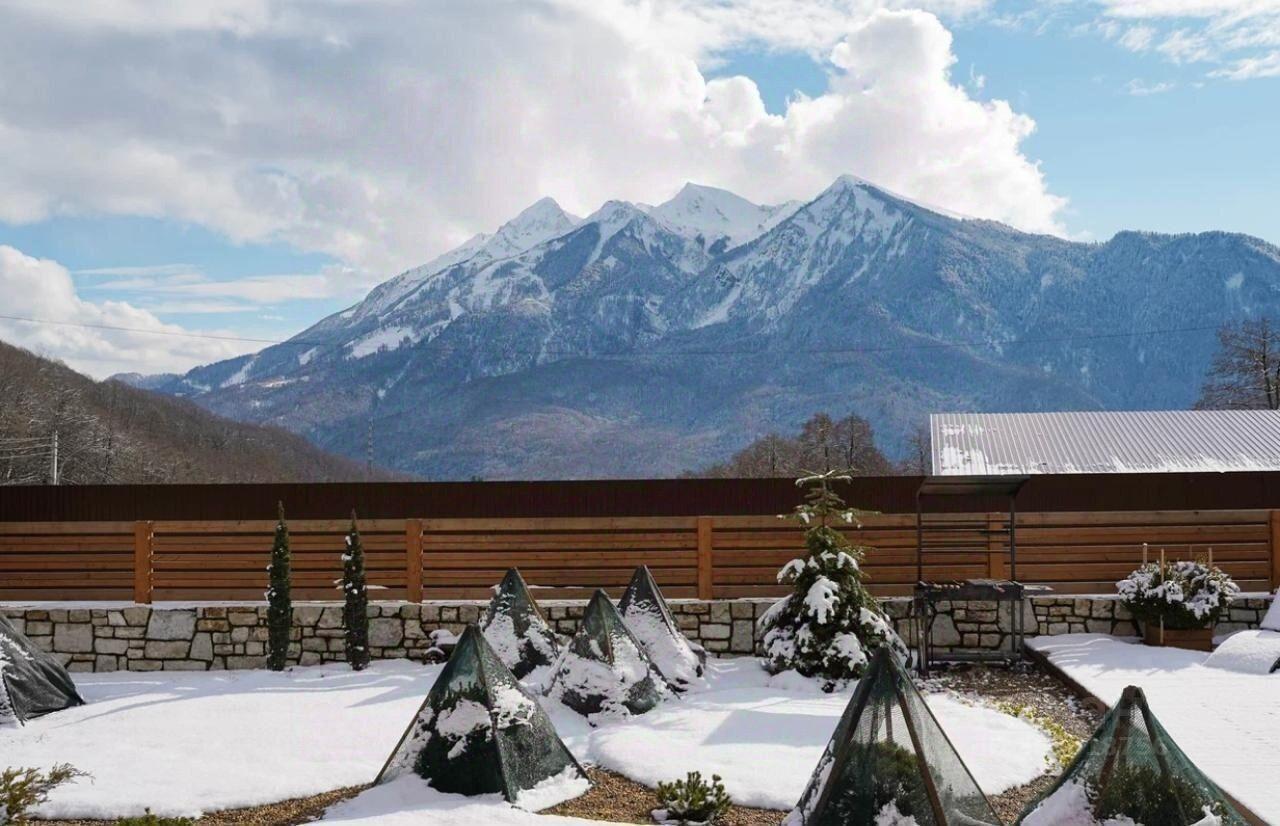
(566,558)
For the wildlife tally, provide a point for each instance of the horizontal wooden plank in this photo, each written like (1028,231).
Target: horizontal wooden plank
(605,523)
(268,526)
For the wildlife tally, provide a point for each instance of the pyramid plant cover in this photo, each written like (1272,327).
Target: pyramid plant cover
(32,683)
(604,670)
(516,629)
(1131,773)
(479,731)
(649,619)
(889,763)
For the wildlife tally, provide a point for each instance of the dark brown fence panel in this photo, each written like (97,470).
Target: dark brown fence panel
(66,561)
(614,497)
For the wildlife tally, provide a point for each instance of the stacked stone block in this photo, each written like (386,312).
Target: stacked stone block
(144,638)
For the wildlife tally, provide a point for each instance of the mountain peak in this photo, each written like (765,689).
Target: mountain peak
(847,182)
(715,215)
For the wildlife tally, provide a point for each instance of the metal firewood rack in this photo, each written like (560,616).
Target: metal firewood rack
(949,534)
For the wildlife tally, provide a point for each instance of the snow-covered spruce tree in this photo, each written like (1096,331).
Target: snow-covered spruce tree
(279,598)
(355,592)
(829,625)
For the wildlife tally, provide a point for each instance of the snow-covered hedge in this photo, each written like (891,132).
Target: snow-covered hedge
(1183,594)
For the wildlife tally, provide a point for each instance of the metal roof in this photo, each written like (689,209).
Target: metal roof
(1155,441)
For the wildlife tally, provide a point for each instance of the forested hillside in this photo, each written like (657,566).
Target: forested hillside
(111,432)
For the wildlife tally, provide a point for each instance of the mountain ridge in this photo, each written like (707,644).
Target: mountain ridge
(631,343)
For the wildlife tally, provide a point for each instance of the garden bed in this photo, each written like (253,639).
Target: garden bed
(192,743)
(1227,722)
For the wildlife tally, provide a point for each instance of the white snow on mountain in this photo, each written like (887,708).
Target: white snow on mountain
(539,222)
(715,214)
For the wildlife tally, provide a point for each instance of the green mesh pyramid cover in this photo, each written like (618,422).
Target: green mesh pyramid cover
(604,670)
(649,620)
(516,629)
(1131,771)
(479,731)
(32,682)
(889,762)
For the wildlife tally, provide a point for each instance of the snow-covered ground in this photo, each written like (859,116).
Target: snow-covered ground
(186,743)
(1227,722)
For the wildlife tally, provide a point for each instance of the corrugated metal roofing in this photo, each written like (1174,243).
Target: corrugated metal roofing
(1156,441)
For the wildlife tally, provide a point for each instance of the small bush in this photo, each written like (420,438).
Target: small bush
(692,800)
(21,790)
(151,820)
(1145,795)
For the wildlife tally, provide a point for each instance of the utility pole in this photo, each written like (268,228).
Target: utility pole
(53,460)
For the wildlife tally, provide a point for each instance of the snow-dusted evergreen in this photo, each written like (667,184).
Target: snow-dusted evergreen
(355,596)
(648,617)
(32,682)
(279,597)
(830,624)
(516,629)
(479,731)
(890,764)
(603,670)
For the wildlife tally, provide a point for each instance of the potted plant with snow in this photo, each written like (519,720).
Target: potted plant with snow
(1178,602)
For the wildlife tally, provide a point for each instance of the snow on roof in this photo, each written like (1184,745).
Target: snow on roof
(1157,441)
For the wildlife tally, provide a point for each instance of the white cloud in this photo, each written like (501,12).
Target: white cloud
(41,289)
(1241,35)
(1140,88)
(1137,38)
(384,132)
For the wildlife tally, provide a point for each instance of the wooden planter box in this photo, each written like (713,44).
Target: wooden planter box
(1196,639)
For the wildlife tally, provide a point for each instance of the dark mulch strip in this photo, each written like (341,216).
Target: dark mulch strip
(616,799)
(285,813)
(1027,686)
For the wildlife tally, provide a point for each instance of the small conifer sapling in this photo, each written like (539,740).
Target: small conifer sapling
(279,598)
(355,593)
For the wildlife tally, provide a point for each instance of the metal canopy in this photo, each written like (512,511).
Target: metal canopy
(961,535)
(971,485)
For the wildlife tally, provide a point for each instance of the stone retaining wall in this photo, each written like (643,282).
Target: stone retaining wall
(143,638)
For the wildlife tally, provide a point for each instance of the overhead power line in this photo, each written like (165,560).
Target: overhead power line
(850,350)
(113,327)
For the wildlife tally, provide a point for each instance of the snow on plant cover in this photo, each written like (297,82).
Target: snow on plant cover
(1072,805)
(1184,594)
(829,624)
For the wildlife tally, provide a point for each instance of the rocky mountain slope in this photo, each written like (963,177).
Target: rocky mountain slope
(644,341)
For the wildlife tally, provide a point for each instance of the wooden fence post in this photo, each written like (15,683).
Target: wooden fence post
(413,559)
(142,536)
(705,571)
(996,550)
(1275,550)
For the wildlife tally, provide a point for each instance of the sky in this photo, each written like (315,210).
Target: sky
(182,182)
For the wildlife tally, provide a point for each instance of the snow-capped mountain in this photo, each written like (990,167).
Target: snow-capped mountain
(650,340)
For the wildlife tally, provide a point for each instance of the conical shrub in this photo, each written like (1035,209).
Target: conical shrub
(1131,771)
(479,731)
(649,618)
(890,764)
(604,670)
(516,629)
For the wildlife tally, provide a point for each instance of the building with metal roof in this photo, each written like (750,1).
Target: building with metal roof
(1155,441)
